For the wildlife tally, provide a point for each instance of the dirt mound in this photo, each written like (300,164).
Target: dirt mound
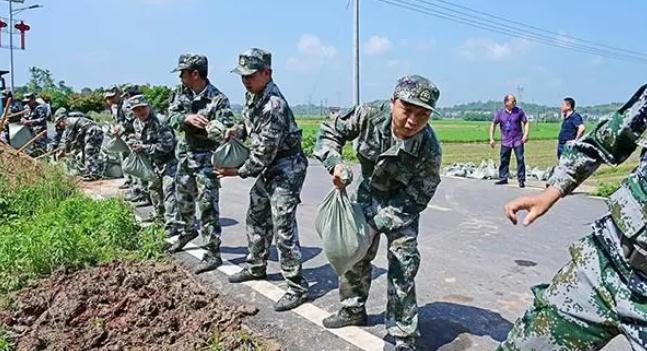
(13,163)
(125,306)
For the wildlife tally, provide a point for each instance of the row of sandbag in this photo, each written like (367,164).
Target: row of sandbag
(231,154)
(489,170)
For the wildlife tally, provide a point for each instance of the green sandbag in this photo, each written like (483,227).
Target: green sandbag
(114,145)
(231,154)
(138,166)
(343,229)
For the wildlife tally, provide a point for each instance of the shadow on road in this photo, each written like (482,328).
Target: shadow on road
(441,323)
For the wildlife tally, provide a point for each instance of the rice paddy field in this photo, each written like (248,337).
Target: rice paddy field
(467,141)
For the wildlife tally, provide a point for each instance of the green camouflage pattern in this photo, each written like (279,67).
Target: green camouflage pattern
(82,135)
(196,184)
(278,162)
(252,61)
(158,143)
(192,61)
(398,179)
(599,294)
(37,118)
(418,91)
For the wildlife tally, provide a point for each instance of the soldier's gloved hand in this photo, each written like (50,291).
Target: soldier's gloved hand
(25,122)
(536,205)
(197,121)
(230,133)
(137,147)
(226,172)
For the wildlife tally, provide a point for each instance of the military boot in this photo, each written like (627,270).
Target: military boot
(209,263)
(181,242)
(290,300)
(246,275)
(346,317)
(133,196)
(405,344)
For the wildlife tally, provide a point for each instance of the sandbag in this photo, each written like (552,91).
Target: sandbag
(342,227)
(138,166)
(111,166)
(231,154)
(114,145)
(19,135)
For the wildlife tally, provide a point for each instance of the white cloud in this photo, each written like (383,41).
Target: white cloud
(311,55)
(311,45)
(377,45)
(485,49)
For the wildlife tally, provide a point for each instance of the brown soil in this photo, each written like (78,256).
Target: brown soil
(13,163)
(126,306)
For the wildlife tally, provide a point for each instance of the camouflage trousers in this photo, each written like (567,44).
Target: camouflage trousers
(162,193)
(273,202)
(401,318)
(197,196)
(592,299)
(92,153)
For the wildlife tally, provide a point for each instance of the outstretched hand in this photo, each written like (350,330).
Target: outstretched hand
(536,205)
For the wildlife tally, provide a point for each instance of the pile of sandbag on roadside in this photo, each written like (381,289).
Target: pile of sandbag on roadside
(488,169)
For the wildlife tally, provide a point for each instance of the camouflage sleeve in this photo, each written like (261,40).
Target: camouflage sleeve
(612,141)
(40,114)
(164,145)
(69,138)
(264,148)
(403,209)
(333,135)
(58,137)
(218,110)
(176,112)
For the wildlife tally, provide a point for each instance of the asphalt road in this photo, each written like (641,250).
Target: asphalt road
(474,280)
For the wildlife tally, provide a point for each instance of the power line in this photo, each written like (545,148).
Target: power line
(567,36)
(515,32)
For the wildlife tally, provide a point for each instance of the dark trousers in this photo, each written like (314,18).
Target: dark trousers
(504,168)
(560,150)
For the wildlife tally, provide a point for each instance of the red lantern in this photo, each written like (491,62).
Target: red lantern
(2,25)
(22,28)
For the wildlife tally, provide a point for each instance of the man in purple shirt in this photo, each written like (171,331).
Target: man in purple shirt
(514,134)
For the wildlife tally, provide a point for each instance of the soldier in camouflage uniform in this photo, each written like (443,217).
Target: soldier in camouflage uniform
(59,129)
(85,136)
(400,159)
(278,162)
(602,291)
(36,120)
(157,141)
(14,109)
(192,110)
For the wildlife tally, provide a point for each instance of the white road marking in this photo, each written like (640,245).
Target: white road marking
(353,335)
(439,208)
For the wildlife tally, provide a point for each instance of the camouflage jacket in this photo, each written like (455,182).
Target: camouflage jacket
(38,117)
(157,139)
(612,141)
(76,131)
(268,121)
(401,175)
(124,117)
(210,103)
(59,132)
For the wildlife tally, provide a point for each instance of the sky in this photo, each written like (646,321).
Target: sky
(92,43)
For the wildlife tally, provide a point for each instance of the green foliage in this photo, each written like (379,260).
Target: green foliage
(101,118)
(159,96)
(5,342)
(49,224)
(42,83)
(88,101)
(607,188)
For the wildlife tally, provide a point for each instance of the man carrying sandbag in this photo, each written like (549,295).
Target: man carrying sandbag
(400,161)
(193,108)
(156,141)
(84,135)
(278,162)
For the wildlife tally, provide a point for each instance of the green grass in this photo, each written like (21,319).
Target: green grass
(50,224)
(467,141)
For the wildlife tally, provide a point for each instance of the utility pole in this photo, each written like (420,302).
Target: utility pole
(355,52)
(11,42)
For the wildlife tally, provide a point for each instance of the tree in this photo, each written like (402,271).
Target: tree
(90,101)
(159,96)
(42,83)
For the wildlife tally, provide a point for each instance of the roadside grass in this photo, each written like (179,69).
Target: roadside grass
(49,224)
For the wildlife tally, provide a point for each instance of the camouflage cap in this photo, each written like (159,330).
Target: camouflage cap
(137,101)
(6,92)
(418,91)
(112,91)
(28,97)
(252,61)
(192,62)
(60,114)
(130,90)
